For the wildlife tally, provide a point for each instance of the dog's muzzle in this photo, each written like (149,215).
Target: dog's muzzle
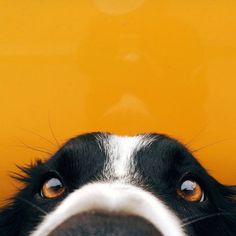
(110,209)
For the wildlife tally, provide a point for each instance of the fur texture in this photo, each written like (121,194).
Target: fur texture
(153,163)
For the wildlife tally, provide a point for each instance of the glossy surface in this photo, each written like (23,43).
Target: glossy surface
(191,191)
(124,66)
(52,188)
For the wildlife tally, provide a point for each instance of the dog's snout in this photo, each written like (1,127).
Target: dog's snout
(111,209)
(105,224)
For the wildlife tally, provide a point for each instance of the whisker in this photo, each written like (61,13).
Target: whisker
(192,217)
(51,130)
(32,205)
(35,148)
(42,137)
(196,219)
(43,149)
(196,135)
(210,144)
(39,148)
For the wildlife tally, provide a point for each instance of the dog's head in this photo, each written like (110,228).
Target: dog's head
(102,184)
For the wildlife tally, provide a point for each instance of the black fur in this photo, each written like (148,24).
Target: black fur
(162,165)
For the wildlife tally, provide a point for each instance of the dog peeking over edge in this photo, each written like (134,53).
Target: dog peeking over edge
(100,184)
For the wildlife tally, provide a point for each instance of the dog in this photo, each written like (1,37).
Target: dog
(101,184)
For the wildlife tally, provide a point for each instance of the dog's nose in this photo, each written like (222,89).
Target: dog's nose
(103,224)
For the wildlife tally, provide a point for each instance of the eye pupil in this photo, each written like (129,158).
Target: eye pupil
(52,188)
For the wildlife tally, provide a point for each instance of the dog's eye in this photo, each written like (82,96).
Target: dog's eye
(52,188)
(191,191)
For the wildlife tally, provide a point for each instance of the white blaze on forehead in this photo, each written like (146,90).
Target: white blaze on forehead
(120,151)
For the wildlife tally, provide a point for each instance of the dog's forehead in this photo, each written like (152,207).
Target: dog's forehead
(120,152)
(117,157)
(119,149)
(116,146)
(110,143)
(126,156)
(124,145)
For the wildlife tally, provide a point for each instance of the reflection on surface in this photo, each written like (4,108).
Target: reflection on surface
(117,7)
(139,67)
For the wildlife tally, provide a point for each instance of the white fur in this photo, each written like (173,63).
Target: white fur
(113,198)
(120,151)
(118,195)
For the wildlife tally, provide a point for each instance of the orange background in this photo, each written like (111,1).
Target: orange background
(124,66)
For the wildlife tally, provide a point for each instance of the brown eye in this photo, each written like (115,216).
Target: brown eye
(52,188)
(191,191)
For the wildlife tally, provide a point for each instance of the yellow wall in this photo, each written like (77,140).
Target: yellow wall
(125,66)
